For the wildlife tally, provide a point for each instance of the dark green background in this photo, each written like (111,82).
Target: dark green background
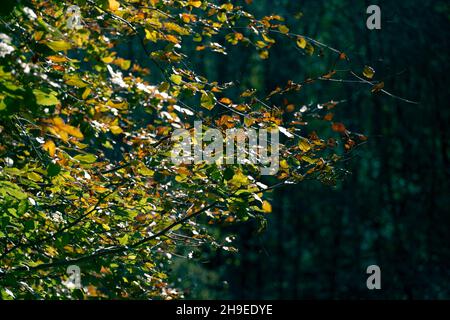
(392,210)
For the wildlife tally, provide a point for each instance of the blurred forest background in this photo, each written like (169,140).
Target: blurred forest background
(392,209)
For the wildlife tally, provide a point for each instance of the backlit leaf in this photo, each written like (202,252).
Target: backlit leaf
(45,99)
(368,72)
(207,100)
(59,45)
(86,158)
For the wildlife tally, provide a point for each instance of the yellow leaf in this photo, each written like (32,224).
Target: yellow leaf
(301,42)
(57,59)
(267,39)
(227,6)
(146,171)
(260,44)
(309,160)
(283,28)
(115,129)
(177,28)
(75,132)
(51,251)
(195,3)
(122,63)
(304,145)
(50,147)
(176,78)
(123,240)
(63,129)
(284,164)
(86,93)
(59,45)
(172,39)
(267,207)
(239,179)
(151,35)
(38,35)
(108,59)
(222,17)
(63,135)
(119,105)
(58,121)
(113,5)
(264,54)
(34,176)
(75,80)
(69,248)
(368,72)
(180,178)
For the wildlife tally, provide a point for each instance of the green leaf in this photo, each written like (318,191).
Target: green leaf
(53,169)
(7,294)
(309,48)
(208,100)
(176,78)
(9,188)
(222,17)
(228,173)
(23,207)
(283,29)
(124,240)
(75,80)
(33,176)
(59,45)
(45,99)
(86,158)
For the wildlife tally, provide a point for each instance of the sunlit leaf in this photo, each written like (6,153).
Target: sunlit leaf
(207,100)
(59,45)
(113,5)
(50,147)
(267,207)
(368,72)
(301,42)
(86,158)
(176,78)
(44,98)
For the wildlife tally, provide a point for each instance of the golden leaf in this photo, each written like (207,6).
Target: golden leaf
(304,145)
(59,45)
(225,100)
(283,28)
(115,129)
(50,147)
(113,5)
(267,207)
(301,42)
(368,72)
(195,3)
(264,54)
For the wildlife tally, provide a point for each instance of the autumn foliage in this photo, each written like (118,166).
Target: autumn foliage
(86,177)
